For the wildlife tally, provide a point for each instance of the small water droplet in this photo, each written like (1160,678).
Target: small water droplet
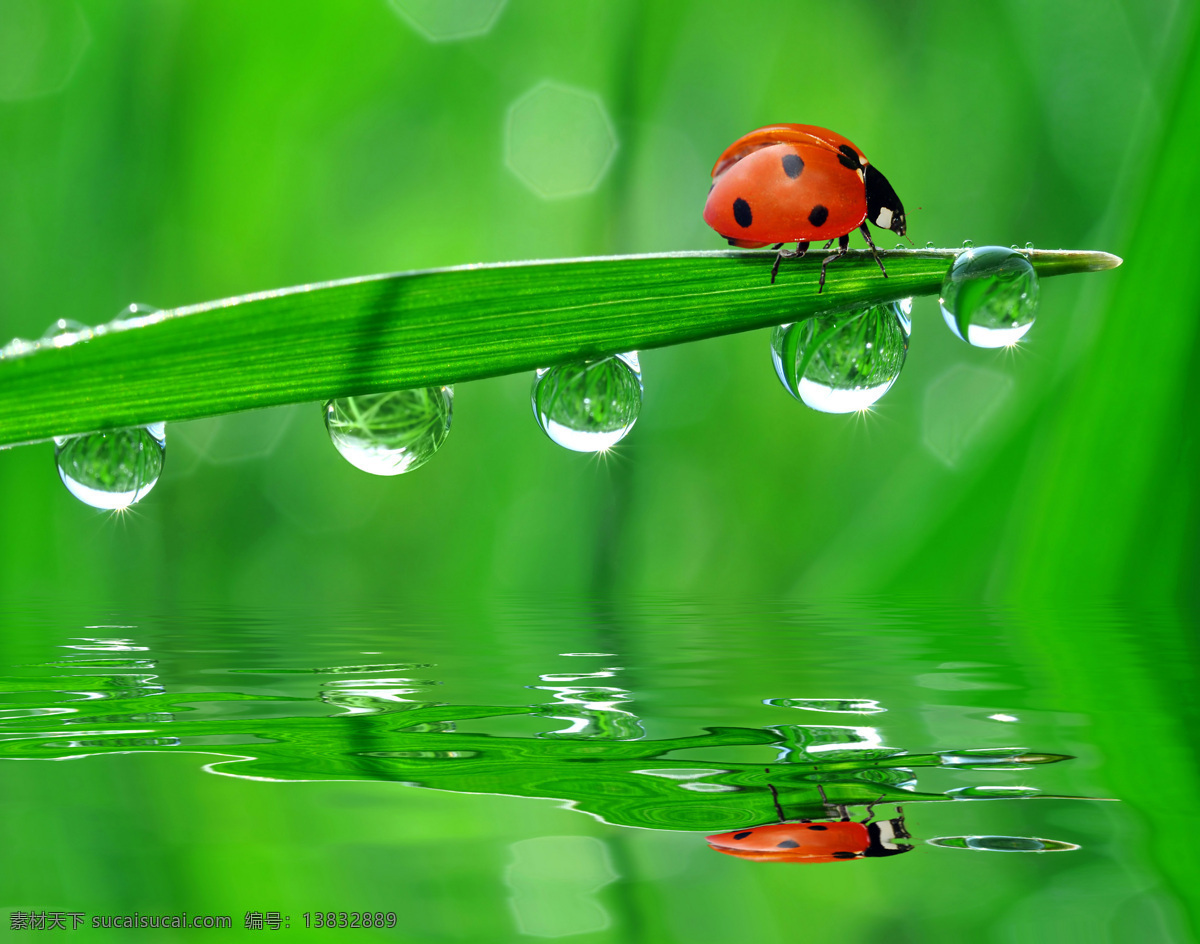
(132,316)
(839,363)
(63,332)
(1004,758)
(114,469)
(62,326)
(1029,245)
(967,244)
(989,297)
(929,244)
(589,406)
(899,245)
(849,706)
(17,347)
(992,793)
(390,433)
(1003,844)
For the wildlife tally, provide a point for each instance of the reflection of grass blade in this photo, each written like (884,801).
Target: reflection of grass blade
(426,329)
(644,782)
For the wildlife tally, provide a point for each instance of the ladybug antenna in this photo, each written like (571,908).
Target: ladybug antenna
(910,242)
(871,808)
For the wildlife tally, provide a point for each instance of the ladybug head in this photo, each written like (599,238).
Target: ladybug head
(884,208)
(884,838)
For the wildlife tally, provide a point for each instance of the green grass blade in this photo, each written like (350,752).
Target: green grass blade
(440,326)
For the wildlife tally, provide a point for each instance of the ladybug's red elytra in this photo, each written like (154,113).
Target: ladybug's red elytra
(801,184)
(808,841)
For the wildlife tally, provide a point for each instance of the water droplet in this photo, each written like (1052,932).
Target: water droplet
(899,245)
(849,706)
(904,313)
(62,326)
(1003,844)
(132,316)
(17,347)
(1029,245)
(967,244)
(390,433)
(112,470)
(589,406)
(1005,758)
(839,363)
(989,296)
(929,244)
(63,332)
(992,793)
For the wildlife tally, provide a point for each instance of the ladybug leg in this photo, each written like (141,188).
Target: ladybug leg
(801,249)
(874,251)
(843,246)
(824,798)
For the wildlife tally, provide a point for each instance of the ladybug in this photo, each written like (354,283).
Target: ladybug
(801,184)
(808,841)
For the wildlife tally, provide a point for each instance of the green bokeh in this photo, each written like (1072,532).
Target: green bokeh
(169,152)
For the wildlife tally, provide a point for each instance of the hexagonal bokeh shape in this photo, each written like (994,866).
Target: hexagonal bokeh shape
(559,140)
(238,437)
(41,44)
(959,406)
(443,21)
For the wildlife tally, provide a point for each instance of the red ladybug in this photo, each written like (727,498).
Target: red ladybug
(806,841)
(801,184)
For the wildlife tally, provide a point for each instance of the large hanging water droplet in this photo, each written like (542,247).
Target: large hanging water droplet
(843,362)
(390,433)
(1003,844)
(989,296)
(589,406)
(114,469)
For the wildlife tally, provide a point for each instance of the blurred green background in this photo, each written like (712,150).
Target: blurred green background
(169,152)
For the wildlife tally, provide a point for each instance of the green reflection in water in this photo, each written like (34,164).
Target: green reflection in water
(601,762)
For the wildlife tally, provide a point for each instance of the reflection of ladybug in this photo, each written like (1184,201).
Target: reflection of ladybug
(802,184)
(806,841)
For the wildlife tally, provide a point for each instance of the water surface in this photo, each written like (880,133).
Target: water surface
(551,770)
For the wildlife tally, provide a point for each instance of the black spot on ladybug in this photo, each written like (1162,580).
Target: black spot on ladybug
(741,213)
(787,844)
(817,217)
(732,242)
(848,157)
(792,165)
(742,835)
(844,855)
(818,827)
